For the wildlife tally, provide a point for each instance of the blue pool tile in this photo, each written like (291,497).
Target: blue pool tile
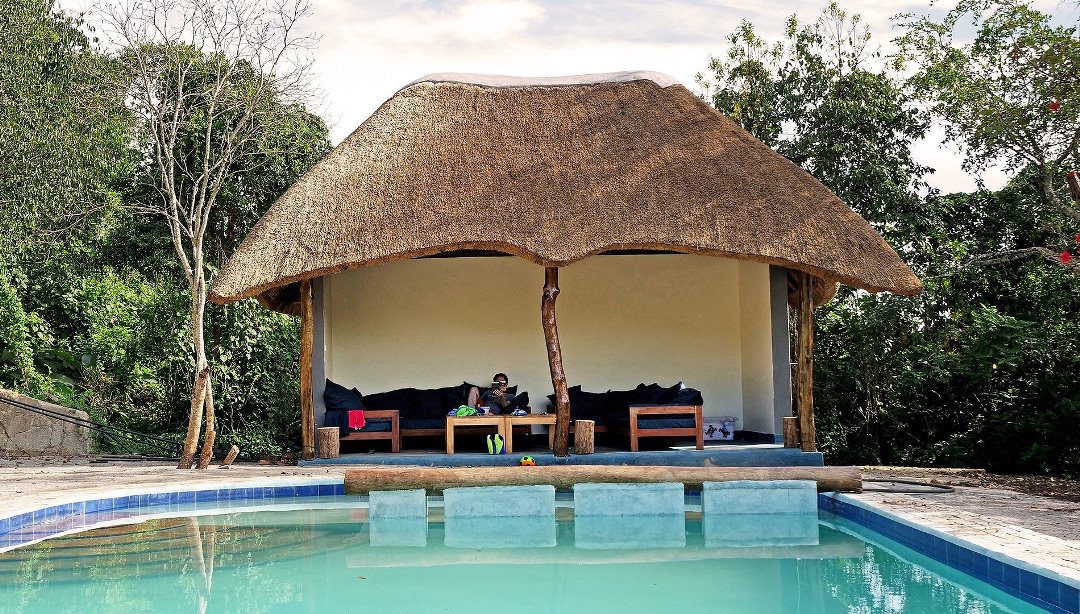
(995,570)
(1068,598)
(965,559)
(326,490)
(159,499)
(307,491)
(203,496)
(1029,583)
(1011,576)
(5,525)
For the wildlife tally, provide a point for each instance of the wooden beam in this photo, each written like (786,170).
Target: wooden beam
(307,342)
(804,376)
(554,352)
(362,480)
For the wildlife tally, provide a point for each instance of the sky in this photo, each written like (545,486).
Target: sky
(368,49)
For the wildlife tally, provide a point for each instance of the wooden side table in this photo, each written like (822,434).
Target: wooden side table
(453,422)
(512,421)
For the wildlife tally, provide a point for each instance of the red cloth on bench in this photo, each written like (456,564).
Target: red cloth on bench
(356,419)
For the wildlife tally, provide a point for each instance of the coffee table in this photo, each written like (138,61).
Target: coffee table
(453,422)
(512,421)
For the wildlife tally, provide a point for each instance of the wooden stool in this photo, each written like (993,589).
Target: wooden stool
(329,442)
(584,436)
(791,432)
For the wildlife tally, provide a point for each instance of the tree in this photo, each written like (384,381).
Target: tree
(62,130)
(203,78)
(830,102)
(1009,97)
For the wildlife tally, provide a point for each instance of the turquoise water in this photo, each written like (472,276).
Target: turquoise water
(336,560)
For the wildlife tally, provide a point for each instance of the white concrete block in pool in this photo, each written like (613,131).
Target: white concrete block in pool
(608,532)
(759,497)
(629,499)
(757,530)
(398,532)
(397,504)
(499,501)
(499,532)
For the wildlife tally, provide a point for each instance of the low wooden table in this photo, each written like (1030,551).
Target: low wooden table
(512,421)
(499,422)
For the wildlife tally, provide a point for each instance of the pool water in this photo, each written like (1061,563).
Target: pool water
(337,560)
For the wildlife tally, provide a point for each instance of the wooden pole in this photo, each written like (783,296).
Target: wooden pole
(307,342)
(805,364)
(362,480)
(554,351)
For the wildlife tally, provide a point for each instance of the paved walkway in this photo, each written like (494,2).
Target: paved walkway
(1038,530)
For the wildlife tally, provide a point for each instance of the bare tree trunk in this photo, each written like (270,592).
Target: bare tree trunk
(201,385)
(554,350)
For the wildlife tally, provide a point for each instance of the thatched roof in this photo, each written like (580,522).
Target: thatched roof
(553,171)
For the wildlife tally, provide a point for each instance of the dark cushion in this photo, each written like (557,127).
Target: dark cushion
(423,423)
(669,396)
(402,399)
(338,397)
(689,396)
(429,404)
(377,425)
(452,396)
(338,418)
(676,421)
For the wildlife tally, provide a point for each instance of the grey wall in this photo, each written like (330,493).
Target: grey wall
(781,349)
(318,353)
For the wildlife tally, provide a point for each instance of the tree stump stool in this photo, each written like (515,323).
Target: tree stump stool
(584,436)
(329,442)
(791,432)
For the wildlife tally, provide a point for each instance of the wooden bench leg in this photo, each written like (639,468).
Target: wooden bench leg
(699,434)
(449,437)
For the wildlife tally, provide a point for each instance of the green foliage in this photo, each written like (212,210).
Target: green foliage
(94,311)
(980,369)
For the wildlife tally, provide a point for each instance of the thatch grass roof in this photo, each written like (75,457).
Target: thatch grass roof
(554,171)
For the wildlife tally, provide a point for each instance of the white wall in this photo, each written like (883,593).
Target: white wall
(622,320)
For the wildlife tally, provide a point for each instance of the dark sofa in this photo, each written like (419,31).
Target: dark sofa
(421,411)
(648,410)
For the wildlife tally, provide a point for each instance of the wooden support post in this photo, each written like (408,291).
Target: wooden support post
(230,457)
(329,442)
(307,342)
(554,351)
(584,436)
(805,364)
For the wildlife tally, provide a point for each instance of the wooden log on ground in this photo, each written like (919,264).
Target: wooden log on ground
(363,480)
(207,450)
(791,432)
(584,436)
(329,441)
(307,344)
(230,457)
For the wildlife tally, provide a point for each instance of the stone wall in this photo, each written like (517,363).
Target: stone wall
(29,433)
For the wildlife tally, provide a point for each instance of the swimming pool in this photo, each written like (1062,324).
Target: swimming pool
(326,554)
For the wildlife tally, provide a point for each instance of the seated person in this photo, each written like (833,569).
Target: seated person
(496,398)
